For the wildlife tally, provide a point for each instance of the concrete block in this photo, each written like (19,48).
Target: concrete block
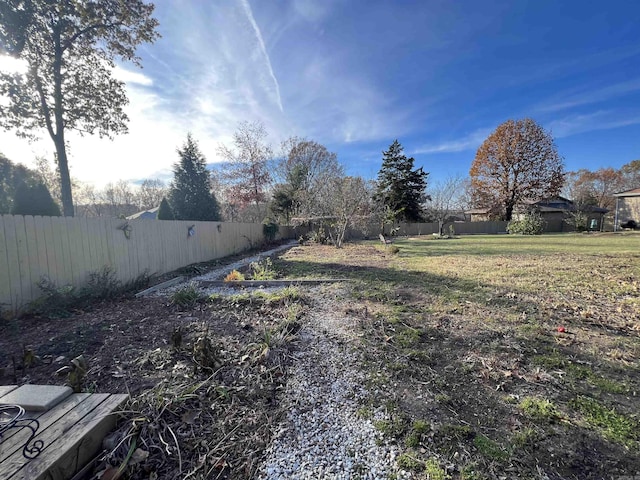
(36,397)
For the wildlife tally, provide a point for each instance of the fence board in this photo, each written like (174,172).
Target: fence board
(45,231)
(5,284)
(23,257)
(33,253)
(13,268)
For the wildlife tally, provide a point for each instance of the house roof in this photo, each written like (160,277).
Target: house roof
(635,192)
(151,214)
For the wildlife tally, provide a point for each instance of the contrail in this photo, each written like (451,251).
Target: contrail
(263,50)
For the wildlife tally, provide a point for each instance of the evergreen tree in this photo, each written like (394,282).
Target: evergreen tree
(34,199)
(12,175)
(190,194)
(400,187)
(165,212)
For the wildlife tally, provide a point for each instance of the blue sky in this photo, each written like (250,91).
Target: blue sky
(354,75)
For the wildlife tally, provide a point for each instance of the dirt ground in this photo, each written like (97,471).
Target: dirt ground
(203,374)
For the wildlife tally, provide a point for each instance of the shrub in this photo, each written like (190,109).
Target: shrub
(270,230)
(234,276)
(531,224)
(186,296)
(318,236)
(263,270)
(164,211)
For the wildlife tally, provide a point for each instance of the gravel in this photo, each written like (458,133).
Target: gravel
(323,436)
(220,273)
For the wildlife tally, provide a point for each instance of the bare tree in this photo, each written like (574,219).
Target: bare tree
(347,199)
(446,197)
(151,193)
(305,169)
(246,173)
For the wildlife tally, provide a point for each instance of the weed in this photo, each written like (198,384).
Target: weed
(418,429)
(470,472)
(394,249)
(55,301)
(524,438)
(444,399)
(456,432)
(393,428)
(408,337)
(489,448)
(539,409)
(608,386)
(186,296)
(408,462)
(102,284)
(234,276)
(263,270)
(364,413)
(421,356)
(434,471)
(614,426)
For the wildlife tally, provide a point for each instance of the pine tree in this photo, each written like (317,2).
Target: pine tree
(34,199)
(190,194)
(400,187)
(165,212)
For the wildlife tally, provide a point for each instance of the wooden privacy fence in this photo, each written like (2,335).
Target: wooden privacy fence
(414,229)
(67,249)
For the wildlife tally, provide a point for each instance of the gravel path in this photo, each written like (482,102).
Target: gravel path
(220,273)
(322,435)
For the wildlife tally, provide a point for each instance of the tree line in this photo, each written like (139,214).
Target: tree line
(70,49)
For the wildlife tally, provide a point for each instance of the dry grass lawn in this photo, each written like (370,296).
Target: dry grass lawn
(498,356)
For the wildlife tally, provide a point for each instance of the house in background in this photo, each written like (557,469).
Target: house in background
(151,214)
(627,207)
(558,212)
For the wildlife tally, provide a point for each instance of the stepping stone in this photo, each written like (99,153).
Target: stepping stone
(36,397)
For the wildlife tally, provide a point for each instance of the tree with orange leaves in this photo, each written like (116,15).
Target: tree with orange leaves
(518,161)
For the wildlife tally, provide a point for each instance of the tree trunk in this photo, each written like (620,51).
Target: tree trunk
(508,213)
(65,178)
(58,137)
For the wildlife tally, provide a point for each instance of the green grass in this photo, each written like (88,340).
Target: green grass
(489,448)
(613,425)
(539,409)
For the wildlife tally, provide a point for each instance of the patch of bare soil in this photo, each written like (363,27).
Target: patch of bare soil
(203,378)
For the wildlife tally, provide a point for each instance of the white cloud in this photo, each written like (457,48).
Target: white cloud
(131,77)
(600,120)
(470,142)
(262,51)
(567,101)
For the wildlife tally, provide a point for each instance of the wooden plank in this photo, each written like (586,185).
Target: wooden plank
(23,260)
(76,252)
(37,252)
(5,286)
(78,445)
(14,440)
(13,267)
(50,247)
(4,389)
(13,466)
(160,286)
